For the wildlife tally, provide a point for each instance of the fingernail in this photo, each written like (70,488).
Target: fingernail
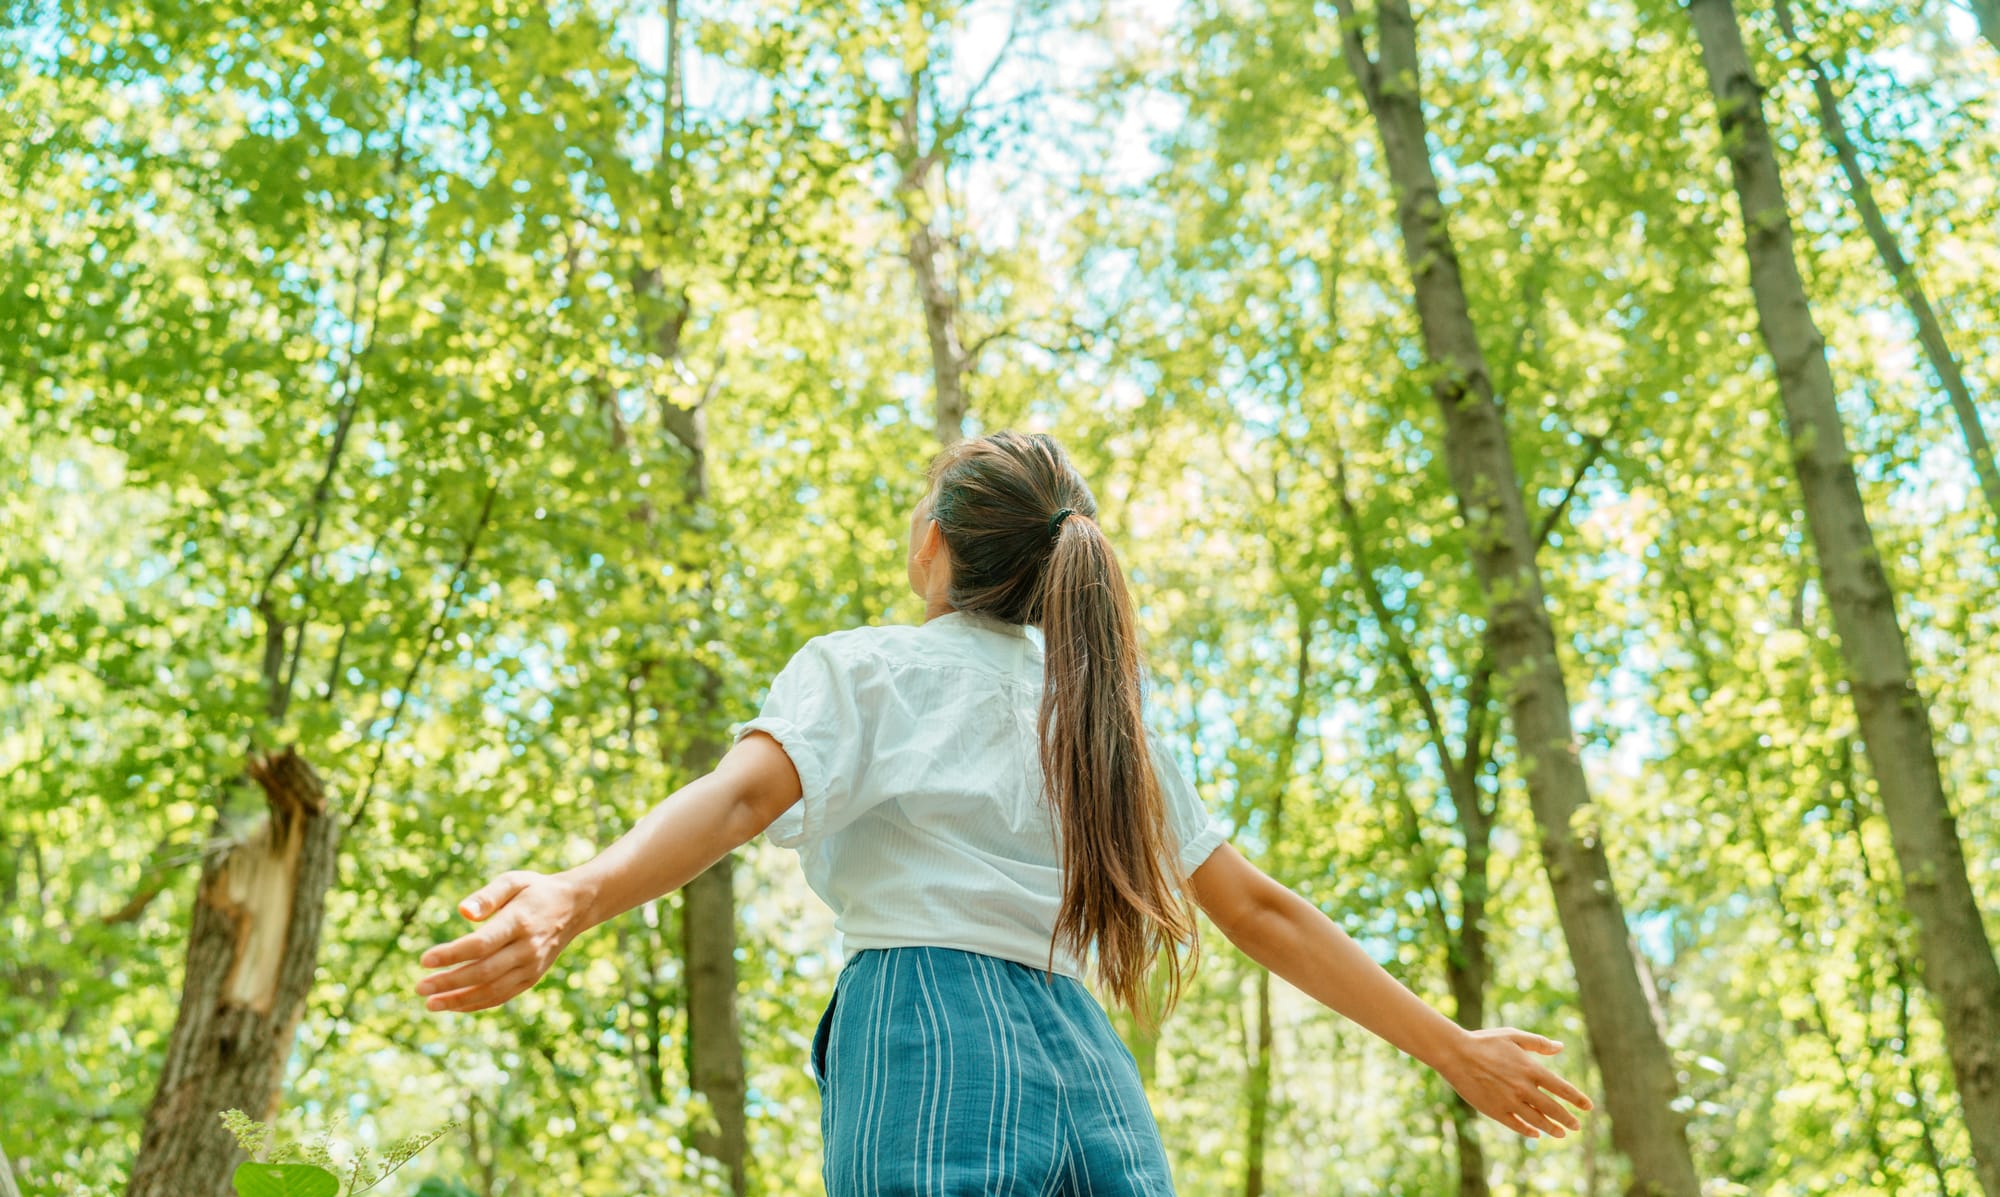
(473,907)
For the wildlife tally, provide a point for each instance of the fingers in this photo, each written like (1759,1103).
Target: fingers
(496,893)
(1552,1110)
(1540,1121)
(1563,1089)
(493,993)
(1513,1123)
(479,944)
(465,976)
(1535,1043)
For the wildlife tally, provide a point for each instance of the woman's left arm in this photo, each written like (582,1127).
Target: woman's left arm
(531,917)
(1494,1069)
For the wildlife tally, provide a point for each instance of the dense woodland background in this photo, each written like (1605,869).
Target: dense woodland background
(483,400)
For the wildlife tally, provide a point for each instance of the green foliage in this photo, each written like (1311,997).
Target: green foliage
(318,1174)
(363,332)
(285,1180)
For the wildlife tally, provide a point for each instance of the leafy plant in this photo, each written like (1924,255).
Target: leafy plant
(306,1168)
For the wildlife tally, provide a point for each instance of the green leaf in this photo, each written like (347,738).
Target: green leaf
(285,1180)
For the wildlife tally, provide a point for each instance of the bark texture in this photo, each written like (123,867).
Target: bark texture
(1955,956)
(950,362)
(714,1046)
(1930,330)
(708,950)
(251,957)
(1637,1070)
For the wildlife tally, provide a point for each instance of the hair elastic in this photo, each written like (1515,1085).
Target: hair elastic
(1055,521)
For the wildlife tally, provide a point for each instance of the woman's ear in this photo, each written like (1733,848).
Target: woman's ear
(932,543)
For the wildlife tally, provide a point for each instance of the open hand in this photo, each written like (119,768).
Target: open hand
(530,918)
(1496,1070)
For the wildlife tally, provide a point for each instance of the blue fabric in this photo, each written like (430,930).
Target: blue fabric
(943,1072)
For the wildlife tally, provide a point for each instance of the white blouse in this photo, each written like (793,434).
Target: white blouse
(922,820)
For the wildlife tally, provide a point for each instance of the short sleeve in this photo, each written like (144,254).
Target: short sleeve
(1195,830)
(820,709)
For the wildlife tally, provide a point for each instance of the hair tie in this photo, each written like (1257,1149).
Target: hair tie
(1055,521)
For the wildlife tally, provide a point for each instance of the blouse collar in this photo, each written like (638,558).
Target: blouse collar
(973,619)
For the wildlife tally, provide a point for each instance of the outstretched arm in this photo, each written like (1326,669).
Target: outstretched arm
(1278,929)
(531,917)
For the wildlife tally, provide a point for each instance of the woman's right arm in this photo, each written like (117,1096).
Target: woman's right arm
(531,917)
(1492,1069)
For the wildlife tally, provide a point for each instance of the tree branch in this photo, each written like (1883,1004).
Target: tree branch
(432,634)
(1356,52)
(1399,649)
(1593,449)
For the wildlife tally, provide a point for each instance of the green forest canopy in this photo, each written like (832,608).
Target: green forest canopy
(486,399)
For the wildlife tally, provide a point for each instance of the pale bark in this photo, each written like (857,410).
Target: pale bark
(7,1186)
(1956,958)
(948,358)
(1910,288)
(920,164)
(1633,1060)
(250,963)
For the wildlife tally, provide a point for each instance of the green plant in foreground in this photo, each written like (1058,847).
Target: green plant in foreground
(307,1168)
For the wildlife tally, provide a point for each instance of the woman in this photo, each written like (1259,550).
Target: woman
(988,816)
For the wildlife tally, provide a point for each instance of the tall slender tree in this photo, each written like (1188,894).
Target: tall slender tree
(1956,957)
(1257,1096)
(1632,1056)
(714,1042)
(1902,272)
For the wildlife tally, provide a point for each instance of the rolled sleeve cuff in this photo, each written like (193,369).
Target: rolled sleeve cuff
(801,821)
(1197,850)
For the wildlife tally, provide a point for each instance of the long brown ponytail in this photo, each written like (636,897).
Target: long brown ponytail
(1015,556)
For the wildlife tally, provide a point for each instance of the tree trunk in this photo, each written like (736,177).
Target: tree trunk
(947,355)
(1258,1096)
(714,1043)
(1930,331)
(949,360)
(708,903)
(1956,957)
(1257,1132)
(1467,966)
(7,1186)
(1467,962)
(1143,1041)
(1637,1070)
(250,963)
(1987,13)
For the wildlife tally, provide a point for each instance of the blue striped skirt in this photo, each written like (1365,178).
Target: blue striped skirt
(943,1072)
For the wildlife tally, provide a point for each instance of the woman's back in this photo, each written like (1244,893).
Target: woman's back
(923,820)
(971,820)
